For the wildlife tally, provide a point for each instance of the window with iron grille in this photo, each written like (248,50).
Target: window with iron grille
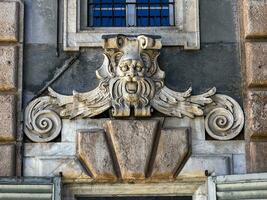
(86,21)
(130,13)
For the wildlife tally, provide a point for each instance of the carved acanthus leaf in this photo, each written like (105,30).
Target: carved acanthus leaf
(86,104)
(181,104)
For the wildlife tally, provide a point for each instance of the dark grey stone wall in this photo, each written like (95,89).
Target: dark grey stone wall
(216,64)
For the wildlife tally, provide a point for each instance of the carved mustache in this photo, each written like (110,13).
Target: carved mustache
(136,89)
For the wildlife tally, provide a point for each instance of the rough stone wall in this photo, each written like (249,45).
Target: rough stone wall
(253,37)
(11,38)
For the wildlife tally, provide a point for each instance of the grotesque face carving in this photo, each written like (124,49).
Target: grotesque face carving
(133,67)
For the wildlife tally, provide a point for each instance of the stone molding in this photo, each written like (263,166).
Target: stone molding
(185,32)
(195,187)
(11,56)
(130,79)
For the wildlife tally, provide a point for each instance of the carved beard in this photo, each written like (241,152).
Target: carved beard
(132,91)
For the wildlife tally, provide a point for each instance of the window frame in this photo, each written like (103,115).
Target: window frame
(184,33)
(193,187)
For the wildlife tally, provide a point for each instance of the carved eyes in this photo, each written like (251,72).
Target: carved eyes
(127,65)
(124,68)
(138,68)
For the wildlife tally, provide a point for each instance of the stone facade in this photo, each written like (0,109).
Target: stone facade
(11,47)
(83,149)
(104,149)
(254,61)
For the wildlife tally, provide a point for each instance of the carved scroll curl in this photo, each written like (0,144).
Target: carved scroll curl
(224,118)
(42,122)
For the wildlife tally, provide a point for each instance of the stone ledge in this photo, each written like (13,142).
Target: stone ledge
(256,64)
(7,165)
(9,21)
(255,18)
(8,67)
(7,118)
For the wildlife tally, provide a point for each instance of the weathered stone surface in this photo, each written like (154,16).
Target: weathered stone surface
(9,21)
(255,18)
(172,150)
(52,165)
(256,114)
(8,67)
(132,143)
(239,164)
(256,63)
(94,154)
(7,159)
(49,149)
(197,164)
(40,18)
(218,147)
(70,127)
(7,117)
(257,154)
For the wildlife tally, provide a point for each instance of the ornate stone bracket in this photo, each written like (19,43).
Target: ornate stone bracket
(131,80)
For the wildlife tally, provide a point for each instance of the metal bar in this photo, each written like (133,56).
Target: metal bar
(242,178)
(26,188)
(161,8)
(242,186)
(69,62)
(149,17)
(101,18)
(113,15)
(26,180)
(257,194)
(25,196)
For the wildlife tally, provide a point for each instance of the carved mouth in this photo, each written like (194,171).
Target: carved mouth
(131,87)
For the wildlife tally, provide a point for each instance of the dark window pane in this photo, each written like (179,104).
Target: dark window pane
(153,12)
(107,13)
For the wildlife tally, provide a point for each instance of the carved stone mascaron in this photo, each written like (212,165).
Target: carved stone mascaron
(131,80)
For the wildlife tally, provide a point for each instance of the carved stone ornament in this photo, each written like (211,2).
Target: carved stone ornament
(130,79)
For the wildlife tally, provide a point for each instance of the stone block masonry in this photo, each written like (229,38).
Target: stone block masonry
(255,18)
(11,46)
(254,35)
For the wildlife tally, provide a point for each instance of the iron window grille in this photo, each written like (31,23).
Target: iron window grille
(128,13)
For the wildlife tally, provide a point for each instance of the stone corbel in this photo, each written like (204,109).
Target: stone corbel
(131,80)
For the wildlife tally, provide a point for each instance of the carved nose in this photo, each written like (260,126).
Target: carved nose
(132,72)
(132,67)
